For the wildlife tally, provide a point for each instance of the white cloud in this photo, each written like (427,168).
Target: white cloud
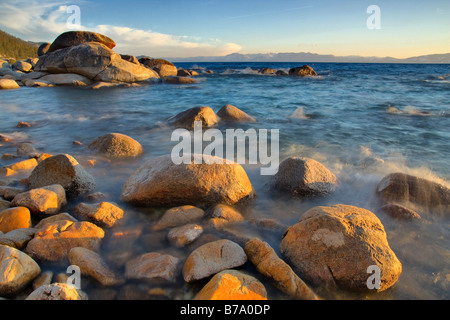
(45,20)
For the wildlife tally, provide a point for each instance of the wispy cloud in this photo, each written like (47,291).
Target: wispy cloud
(44,20)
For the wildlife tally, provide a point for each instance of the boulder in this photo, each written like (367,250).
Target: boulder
(42,201)
(53,62)
(281,73)
(336,246)
(151,63)
(153,266)
(43,48)
(160,182)
(403,188)
(65,79)
(267,262)
(22,66)
(17,270)
(17,238)
(223,215)
(186,119)
(184,235)
(57,291)
(45,278)
(179,216)
(7,84)
(116,146)
(400,212)
(232,285)
(267,71)
(25,149)
(183,73)
(104,214)
(15,218)
(21,168)
(212,258)
(230,113)
(65,170)
(93,266)
(53,241)
(303,177)
(303,71)
(129,58)
(165,70)
(56,217)
(75,38)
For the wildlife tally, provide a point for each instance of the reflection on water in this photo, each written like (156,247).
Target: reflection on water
(348,120)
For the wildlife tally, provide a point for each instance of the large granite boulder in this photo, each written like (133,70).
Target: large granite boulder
(160,182)
(336,246)
(74,38)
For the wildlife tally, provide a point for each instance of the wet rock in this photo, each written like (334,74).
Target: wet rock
(279,272)
(66,79)
(75,38)
(165,70)
(230,113)
(104,214)
(8,84)
(304,177)
(53,241)
(400,212)
(303,71)
(116,146)
(92,265)
(281,73)
(4,204)
(65,170)
(17,238)
(57,291)
(223,215)
(403,188)
(160,182)
(212,258)
(183,73)
(37,83)
(8,193)
(267,71)
(25,149)
(45,278)
(21,168)
(179,216)
(153,266)
(184,235)
(43,48)
(179,80)
(17,270)
(42,201)
(335,246)
(186,119)
(15,218)
(56,217)
(232,285)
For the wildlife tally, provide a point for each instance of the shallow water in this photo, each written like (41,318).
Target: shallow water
(363,121)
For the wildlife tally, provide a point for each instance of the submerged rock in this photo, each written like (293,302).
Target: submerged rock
(230,113)
(53,241)
(17,270)
(211,258)
(116,146)
(400,212)
(184,235)
(335,246)
(304,177)
(153,266)
(65,170)
(223,215)
(104,214)
(232,285)
(160,182)
(65,79)
(179,80)
(178,216)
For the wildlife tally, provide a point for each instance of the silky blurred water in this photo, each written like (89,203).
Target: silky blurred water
(363,121)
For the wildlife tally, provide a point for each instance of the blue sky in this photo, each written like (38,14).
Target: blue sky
(185,28)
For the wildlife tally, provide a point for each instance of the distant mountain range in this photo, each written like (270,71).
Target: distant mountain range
(312,57)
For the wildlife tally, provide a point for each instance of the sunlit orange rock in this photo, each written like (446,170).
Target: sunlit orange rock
(15,218)
(42,201)
(232,285)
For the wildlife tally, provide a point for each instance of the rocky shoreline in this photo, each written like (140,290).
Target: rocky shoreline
(52,214)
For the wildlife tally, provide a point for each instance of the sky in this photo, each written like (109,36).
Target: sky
(188,28)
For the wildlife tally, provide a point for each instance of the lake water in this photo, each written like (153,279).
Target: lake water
(362,121)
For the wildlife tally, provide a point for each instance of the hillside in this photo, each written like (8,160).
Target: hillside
(12,47)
